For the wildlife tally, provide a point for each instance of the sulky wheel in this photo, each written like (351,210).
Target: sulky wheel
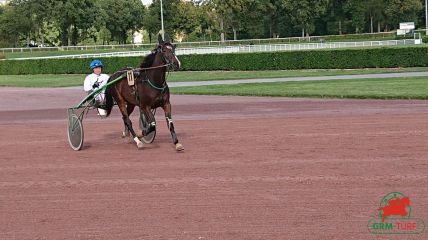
(75,132)
(144,125)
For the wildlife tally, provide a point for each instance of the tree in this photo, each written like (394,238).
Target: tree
(123,16)
(226,14)
(398,11)
(187,19)
(275,17)
(335,17)
(152,22)
(257,19)
(304,12)
(14,25)
(72,22)
(204,21)
(73,18)
(357,11)
(375,13)
(32,15)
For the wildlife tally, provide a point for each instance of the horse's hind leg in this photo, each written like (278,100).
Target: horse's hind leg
(128,124)
(129,110)
(170,124)
(125,132)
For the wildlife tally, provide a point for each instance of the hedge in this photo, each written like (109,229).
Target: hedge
(415,56)
(62,66)
(321,59)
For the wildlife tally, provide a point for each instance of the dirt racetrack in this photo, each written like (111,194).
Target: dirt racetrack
(253,168)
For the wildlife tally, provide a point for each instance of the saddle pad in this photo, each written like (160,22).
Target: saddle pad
(130,77)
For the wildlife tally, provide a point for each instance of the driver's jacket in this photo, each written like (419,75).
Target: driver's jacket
(91,79)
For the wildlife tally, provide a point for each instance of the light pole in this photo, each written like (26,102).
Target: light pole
(426,18)
(163,30)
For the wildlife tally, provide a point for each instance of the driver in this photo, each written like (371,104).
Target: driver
(94,81)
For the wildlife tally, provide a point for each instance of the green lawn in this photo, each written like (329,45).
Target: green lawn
(392,88)
(229,75)
(48,80)
(59,80)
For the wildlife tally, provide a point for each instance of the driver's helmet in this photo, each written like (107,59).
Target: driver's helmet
(95,63)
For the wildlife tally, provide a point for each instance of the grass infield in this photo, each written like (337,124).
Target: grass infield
(388,88)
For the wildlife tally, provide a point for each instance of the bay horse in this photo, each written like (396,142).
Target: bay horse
(150,91)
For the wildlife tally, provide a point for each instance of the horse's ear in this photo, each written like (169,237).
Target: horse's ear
(160,40)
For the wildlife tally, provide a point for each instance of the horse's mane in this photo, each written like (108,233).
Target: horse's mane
(148,60)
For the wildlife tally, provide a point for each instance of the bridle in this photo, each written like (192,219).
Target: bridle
(166,60)
(166,63)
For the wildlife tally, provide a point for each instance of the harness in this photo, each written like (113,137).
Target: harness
(153,85)
(132,73)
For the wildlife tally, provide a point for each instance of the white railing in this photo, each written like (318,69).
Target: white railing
(246,48)
(75,48)
(291,47)
(195,44)
(91,55)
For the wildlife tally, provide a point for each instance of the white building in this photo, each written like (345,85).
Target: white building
(146,2)
(138,38)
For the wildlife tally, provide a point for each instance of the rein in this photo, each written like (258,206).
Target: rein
(148,68)
(151,84)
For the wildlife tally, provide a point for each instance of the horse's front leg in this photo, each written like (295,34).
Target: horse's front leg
(128,125)
(170,124)
(129,108)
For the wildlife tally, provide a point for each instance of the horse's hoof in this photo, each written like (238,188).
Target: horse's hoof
(139,143)
(179,147)
(125,134)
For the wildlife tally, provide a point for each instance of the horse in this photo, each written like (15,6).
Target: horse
(395,206)
(150,91)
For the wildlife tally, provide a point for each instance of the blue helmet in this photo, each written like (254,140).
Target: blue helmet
(95,63)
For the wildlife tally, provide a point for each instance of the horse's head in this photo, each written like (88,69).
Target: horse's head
(167,50)
(405,201)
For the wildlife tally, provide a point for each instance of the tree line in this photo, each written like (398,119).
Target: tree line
(74,22)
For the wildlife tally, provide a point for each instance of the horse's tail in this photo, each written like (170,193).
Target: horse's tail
(109,101)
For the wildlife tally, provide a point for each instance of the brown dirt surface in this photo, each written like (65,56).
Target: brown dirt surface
(253,168)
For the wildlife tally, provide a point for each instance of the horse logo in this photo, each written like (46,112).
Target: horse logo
(394,216)
(395,206)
